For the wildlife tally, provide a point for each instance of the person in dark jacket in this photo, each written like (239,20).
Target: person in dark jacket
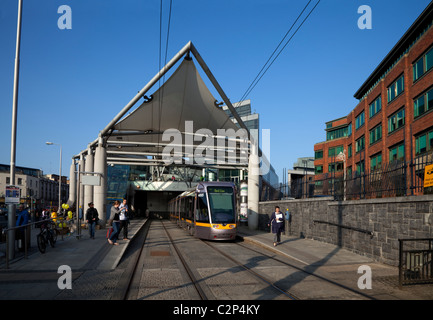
(278,225)
(115,221)
(92,218)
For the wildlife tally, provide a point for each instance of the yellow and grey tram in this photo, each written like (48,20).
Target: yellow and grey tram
(207,211)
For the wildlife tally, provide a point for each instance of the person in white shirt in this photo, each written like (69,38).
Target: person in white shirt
(124,221)
(278,225)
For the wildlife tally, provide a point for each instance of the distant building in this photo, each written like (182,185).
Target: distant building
(269,183)
(37,190)
(300,178)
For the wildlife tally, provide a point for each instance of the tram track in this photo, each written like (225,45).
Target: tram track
(303,270)
(261,277)
(185,265)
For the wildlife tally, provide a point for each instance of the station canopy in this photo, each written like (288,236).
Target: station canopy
(179,117)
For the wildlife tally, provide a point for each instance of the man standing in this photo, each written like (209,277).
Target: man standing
(124,221)
(22,219)
(92,218)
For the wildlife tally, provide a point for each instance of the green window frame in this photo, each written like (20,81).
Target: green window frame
(318,169)
(396,153)
(396,121)
(334,151)
(424,143)
(376,134)
(360,144)
(360,120)
(318,154)
(376,106)
(423,103)
(376,162)
(423,65)
(396,88)
(349,150)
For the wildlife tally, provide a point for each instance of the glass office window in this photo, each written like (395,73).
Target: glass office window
(396,153)
(359,121)
(375,106)
(376,134)
(424,143)
(396,121)
(396,88)
(318,154)
(360,144)
(376,162)
(424,64)
(423,104)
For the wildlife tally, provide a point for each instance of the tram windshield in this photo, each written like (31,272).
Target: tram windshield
(221,204)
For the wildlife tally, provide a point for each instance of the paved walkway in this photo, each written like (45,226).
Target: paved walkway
(340,265)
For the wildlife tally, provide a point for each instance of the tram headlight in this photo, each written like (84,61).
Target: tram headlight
(215,226)
(232,226)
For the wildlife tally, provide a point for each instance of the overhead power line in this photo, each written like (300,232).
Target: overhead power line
(264,68)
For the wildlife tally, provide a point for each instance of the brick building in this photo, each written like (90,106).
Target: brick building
(392,124)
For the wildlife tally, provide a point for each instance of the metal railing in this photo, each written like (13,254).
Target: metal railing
(395,179)
(26,233)
(416,261)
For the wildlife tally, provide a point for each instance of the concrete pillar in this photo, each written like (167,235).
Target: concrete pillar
(88,190)
(82,166)
(253,187)
(72,184)
(100,192)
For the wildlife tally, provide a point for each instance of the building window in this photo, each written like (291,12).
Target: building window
(376,162)
(396,153)
(360,144)
(332,152)
(338,133)
(20,181)
(423,104)
(375,106)
(424,64)
(318,154)
(349,150)
(360,166)
(396,88)
(424,143)
(318,169)
(336,167)
(359,121)
(396,121)
(376,134)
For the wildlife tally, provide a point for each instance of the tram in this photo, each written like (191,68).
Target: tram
(207,211)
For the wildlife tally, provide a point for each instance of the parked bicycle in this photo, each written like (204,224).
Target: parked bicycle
(48,234)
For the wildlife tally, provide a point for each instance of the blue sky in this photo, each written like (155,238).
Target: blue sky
(73,82)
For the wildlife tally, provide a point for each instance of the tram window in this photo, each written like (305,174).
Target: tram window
(221,204)
(201,213)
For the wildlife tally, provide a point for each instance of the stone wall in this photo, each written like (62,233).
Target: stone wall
(368,227)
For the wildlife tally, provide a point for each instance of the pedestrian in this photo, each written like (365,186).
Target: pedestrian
(115,222)
(124,219)
(277,223)
(92,218)
(22,219)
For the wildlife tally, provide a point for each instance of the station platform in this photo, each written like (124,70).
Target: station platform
(36,277)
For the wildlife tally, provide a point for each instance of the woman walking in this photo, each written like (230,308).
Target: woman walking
(277,222)
(115,221)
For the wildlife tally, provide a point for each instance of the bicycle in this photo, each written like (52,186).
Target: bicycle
(47,235)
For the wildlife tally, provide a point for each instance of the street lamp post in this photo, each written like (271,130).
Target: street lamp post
(341,156)
(60,174)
